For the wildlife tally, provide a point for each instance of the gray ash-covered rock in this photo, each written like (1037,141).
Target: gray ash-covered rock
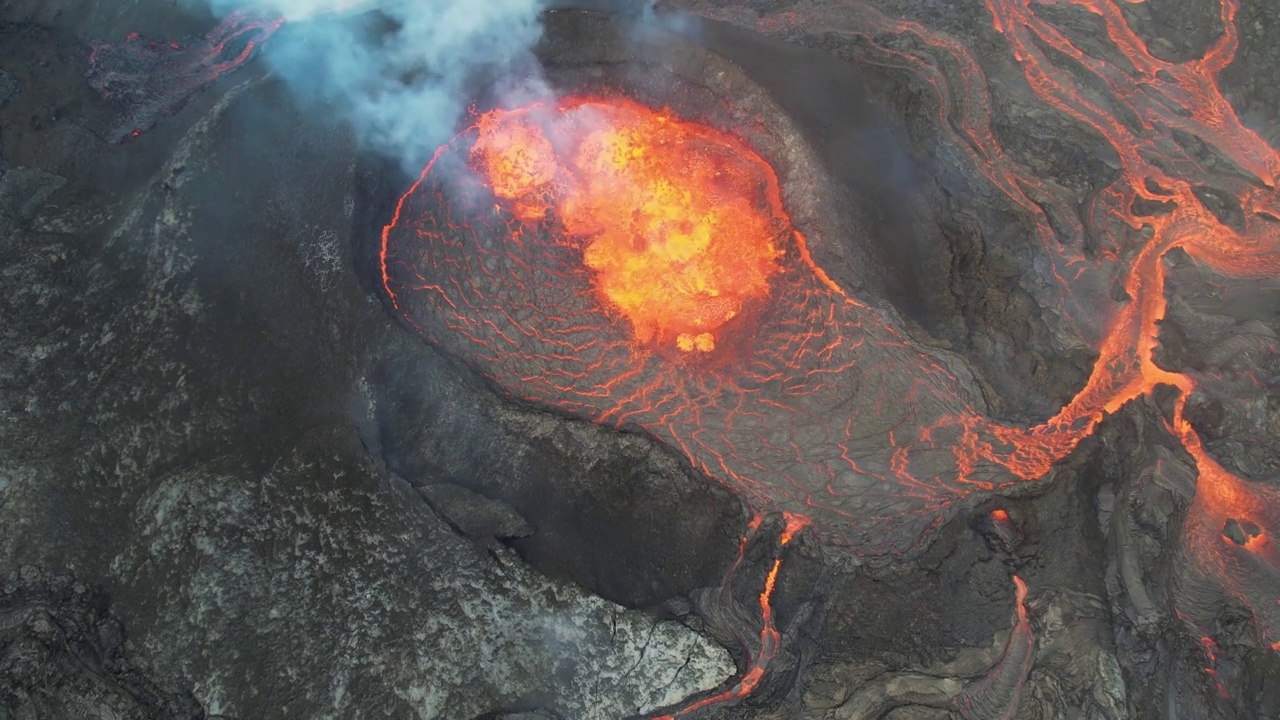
(62,654)
(475,516)
(192,383)
(231,485)
(22,189)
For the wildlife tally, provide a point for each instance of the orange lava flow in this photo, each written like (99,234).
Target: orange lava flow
(998,696)
(1160,97)
(605,243)
(676,224)
(769,640)
(1186,97)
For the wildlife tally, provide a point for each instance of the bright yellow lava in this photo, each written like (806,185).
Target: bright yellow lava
(678,222)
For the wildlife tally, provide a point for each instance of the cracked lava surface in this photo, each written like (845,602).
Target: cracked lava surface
(624,265)
(637,269)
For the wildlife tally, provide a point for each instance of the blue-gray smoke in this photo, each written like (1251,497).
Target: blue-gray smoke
(401,76)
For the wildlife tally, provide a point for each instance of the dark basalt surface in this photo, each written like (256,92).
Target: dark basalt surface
(232,485)
(201,411)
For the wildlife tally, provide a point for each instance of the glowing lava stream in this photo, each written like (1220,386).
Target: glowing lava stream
(765,373)
(637,269)
(769,640)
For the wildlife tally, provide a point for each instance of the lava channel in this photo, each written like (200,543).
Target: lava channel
(1140,104)
(637,269)
(563,252)
(154,79)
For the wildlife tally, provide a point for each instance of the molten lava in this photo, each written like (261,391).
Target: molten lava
(615,241)
(769,640)
(998,695)
(674,216)
(826,409)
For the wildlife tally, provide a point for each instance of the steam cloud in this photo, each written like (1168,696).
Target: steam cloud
(401,78)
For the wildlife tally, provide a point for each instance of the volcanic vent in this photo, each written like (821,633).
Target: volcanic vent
(639,252)
(625,254)
(995,378)
(675,222)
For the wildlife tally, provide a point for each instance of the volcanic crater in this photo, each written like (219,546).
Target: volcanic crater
(819,359)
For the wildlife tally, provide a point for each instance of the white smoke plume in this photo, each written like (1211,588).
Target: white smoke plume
(400,76)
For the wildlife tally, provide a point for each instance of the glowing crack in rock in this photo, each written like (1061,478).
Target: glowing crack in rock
(154,78)
(638,269)
(767,644)
(999,695)
(806,399)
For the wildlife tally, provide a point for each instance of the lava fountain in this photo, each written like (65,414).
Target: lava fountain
(617,262)
(633,268)
(676,221)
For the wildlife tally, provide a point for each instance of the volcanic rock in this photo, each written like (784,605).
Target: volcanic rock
(237,480)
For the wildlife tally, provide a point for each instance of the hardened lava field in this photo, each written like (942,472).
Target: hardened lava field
(562,251)
(829,358)
(638,269)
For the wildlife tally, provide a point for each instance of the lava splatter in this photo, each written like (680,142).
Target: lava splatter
(677,230)
(817,404)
